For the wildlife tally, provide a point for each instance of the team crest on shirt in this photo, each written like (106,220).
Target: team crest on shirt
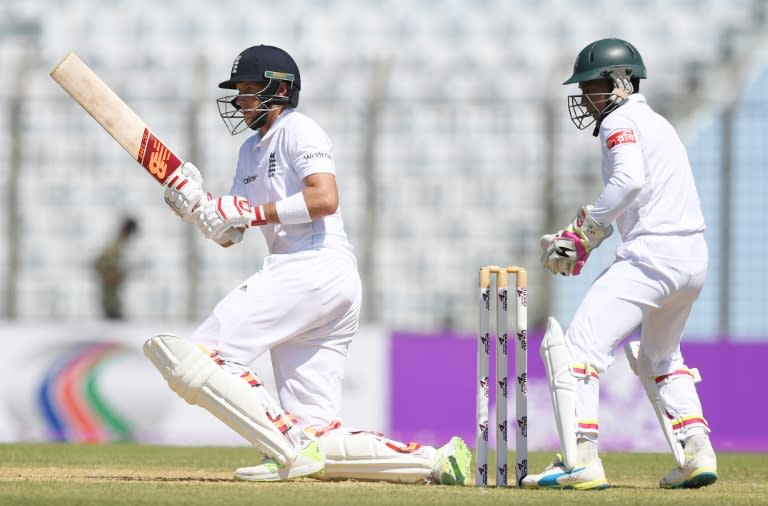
(620,137)
(272,165)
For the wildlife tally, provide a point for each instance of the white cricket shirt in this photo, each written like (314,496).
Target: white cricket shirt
(273,166)
(649,185)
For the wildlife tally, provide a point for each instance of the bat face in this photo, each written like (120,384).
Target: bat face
(156,157)
(109,110)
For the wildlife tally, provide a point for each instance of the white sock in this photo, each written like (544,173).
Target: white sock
(586,450)
(697,443)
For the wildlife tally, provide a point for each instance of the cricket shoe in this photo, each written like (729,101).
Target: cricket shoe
(590,476)
(452,463)
(700,467)
(309,461)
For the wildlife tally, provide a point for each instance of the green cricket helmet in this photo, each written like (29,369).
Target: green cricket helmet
(603,59)
(603,56)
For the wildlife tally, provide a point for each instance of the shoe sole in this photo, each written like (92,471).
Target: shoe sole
(280,476)
(587,485)
(699,479)
(590,485)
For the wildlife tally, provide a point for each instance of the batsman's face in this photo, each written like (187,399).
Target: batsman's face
(248,100)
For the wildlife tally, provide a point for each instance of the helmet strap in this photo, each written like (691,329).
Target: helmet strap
(259,122)
(599,120)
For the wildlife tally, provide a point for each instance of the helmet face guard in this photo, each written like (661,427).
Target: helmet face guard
(269,65)
(598,105)
(602,59)
(264,101)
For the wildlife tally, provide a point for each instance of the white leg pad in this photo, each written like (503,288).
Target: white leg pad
(562,388)
(368,456)
(632,351)
(201,381)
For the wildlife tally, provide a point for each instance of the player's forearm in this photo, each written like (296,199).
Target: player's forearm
(618,194)
(320,202)
(303,207)
(310,204)
(318,198)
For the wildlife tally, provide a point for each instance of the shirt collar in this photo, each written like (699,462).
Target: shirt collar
(277,125)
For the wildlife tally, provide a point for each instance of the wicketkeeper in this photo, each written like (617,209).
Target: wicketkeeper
(657,274)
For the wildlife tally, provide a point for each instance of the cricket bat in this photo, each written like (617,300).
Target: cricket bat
(115,117)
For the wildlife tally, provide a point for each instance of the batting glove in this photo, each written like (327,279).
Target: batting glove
(217,216)
(567,251)
(184,190)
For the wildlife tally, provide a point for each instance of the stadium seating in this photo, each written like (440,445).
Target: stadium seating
(472,109)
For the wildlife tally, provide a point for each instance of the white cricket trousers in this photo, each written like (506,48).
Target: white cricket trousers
(304,308)
(652,284)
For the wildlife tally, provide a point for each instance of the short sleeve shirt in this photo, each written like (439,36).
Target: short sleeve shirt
(272,167)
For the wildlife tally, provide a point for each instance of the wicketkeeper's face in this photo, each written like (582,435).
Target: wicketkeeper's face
(595,95)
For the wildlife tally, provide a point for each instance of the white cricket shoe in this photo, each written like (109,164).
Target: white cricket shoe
(452,463)
(700,467)
(590,476)
(309,461)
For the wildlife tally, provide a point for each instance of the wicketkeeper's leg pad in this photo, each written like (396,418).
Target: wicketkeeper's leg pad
(369,456)
(197,376)
(663,392)
(562,388)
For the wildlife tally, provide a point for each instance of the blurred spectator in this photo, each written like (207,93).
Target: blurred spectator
(110,268)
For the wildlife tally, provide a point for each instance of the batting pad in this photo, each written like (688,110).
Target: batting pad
(562,388)
(199,380)
(366,456)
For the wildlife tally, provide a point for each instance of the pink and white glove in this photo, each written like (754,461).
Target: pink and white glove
(184,190)
(567,251)
(216,217)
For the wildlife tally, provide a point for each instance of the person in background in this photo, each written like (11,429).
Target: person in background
(111,270)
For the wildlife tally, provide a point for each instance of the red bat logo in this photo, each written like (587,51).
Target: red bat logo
(156,157)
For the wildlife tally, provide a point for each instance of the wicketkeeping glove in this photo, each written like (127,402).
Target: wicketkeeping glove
(567,251)
(622,87)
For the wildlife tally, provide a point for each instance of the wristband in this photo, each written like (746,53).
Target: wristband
(293,210)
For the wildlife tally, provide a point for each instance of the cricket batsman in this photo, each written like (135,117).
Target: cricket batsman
(658,272)
(303,306)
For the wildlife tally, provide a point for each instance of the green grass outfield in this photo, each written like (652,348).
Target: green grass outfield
(132,474)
